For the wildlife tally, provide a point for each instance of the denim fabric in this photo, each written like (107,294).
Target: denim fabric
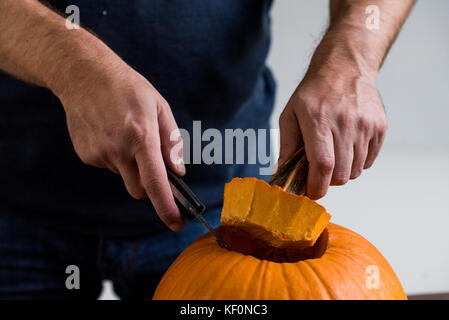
(33,260)
(206,58)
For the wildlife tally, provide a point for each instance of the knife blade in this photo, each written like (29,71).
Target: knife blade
(189,204)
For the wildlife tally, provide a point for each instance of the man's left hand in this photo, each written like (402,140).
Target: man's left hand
(341,120)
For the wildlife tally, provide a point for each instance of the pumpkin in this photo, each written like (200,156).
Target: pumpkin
(344,266)
(280,245)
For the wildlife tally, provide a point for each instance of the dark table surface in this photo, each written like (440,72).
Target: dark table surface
(433,296)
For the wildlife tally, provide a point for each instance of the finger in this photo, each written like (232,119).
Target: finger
(374,147)
(291,137)
(171,140)
(130,175)
(320,154)
(155,182)
(344,154)
(360,153)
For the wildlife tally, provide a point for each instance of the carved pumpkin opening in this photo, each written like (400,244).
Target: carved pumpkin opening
(241,241)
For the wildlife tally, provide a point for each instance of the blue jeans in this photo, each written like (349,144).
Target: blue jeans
(33,260)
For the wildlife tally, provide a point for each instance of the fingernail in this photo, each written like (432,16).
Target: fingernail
(176,226)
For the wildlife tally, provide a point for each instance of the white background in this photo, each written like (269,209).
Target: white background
(401,204)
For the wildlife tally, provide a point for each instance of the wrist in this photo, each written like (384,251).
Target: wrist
(85,65)
(345,56)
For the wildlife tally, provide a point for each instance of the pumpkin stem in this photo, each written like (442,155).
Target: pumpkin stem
(292,175)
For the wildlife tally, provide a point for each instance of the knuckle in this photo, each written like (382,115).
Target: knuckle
(303,96)
(287,116)
(162,105)
(110,150)
(346,121)
(86,159)
(320,119)
(382,127)
(364,124)
(283,117)
(325,165)
(90,158)
(135,133)
(152,184)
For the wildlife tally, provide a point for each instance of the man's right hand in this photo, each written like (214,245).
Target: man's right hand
(118,120)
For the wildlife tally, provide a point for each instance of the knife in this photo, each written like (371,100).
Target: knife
(189,204)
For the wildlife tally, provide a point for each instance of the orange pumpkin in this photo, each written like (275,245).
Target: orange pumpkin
(286,256)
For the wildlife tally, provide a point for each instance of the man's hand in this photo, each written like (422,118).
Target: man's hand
(115,117)
(336,111)
(120,122)
(341,121)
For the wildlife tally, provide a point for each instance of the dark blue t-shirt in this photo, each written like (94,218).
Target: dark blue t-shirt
(206,58)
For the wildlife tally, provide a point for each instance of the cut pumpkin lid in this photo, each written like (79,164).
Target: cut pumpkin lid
(271,214)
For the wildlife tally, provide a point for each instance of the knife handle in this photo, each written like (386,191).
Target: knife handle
(292,175)
(185,199)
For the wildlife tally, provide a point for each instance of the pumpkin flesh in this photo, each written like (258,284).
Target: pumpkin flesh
(270,214)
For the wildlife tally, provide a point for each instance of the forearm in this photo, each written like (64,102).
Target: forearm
(350,45)
(336,111)
(36,46)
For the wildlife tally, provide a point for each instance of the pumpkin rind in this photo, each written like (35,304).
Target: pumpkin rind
(207,271)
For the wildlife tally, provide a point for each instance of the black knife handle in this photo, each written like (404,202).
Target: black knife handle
(191,197)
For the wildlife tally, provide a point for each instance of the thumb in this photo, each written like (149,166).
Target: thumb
(290,136)
(171,140)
